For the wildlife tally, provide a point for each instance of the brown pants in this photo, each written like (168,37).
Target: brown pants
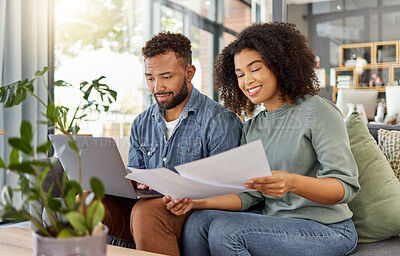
(117,216)
(156,229)
(146,221)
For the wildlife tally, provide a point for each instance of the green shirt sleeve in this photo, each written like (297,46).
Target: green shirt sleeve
(331,144)
(249,199)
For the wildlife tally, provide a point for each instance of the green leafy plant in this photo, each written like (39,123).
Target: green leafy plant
(57,116)
(75,214)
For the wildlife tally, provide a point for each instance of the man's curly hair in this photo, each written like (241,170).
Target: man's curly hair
(284,51)
(166,42)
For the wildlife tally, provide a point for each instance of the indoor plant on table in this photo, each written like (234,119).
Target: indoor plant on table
(73,220)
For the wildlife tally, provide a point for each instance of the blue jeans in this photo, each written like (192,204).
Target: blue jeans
(213,232)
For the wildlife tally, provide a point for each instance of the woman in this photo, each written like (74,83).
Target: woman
(314,174)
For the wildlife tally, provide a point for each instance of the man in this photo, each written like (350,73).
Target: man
(184,125)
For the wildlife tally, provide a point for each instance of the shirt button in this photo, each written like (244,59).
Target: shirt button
(148,153)
(164,159)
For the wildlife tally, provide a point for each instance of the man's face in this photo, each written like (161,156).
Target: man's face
(167,79)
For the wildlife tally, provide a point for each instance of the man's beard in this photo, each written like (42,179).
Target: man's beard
(175,101)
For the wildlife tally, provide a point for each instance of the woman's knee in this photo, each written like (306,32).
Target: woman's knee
(222,229)
(200,220)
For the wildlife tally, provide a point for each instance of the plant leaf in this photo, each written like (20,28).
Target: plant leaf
(41,73)
(3,94)
(10,100)
(81,117)
(95,214)
(51,112)
(72,145)
(23,167)
(6,195)
(97,187)
(21,145)
(77,221)
(44,174)
(54,204)
(41,163)
(11,213)
(70,199)
(29,86)
(19,96)
(44,148)
(62,83)
(73,184)
(14,156)
(73,188)
(82,85)
(26,132)
(2,163)
(24,184)
(66,233)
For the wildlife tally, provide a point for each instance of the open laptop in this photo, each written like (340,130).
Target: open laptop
(99,157)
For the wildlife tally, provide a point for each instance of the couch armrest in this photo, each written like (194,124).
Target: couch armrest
(54,175)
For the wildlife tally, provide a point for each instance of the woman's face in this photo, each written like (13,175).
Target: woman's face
(256,81)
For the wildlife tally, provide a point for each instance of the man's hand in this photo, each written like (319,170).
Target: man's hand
(139,185)
(178,207)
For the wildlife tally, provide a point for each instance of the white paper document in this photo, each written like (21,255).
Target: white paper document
(221,174)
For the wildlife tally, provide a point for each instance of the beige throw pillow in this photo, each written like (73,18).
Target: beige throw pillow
(389,143)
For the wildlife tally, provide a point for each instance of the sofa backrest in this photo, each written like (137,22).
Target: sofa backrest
(373,129)
(123,145)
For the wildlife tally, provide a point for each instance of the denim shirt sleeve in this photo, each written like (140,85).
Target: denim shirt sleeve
(224,133)
(135,156)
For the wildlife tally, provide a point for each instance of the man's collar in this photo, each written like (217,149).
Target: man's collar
(192,105)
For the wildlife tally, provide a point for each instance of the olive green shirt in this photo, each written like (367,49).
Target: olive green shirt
(307,138)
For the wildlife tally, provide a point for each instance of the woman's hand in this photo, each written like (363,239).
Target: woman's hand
(276,185)
(178,207)
(319,190)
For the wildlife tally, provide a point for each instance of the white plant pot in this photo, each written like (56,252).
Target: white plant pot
(77,246)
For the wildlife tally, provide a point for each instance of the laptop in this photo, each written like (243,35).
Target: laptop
(99,157)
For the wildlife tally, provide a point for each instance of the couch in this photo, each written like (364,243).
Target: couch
(389,246)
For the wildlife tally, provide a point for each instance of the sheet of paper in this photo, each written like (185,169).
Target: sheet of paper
(170,183)
(222,174)
(232,167)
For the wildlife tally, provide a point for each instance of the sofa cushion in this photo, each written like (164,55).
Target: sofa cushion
(123,145)
(389,143)
(376,207)
(387,247)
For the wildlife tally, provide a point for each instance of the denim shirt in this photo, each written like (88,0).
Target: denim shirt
(205,128)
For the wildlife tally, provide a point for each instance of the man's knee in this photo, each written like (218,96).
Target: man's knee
(148,212)
(149,208)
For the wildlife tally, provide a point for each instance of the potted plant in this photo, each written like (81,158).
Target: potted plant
(73,221)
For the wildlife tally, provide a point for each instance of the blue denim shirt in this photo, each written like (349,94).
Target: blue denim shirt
(205,128)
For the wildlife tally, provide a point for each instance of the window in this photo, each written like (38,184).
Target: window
(96,38)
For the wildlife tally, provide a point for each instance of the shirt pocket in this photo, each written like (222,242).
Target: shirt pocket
(189,147)
(148,149)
